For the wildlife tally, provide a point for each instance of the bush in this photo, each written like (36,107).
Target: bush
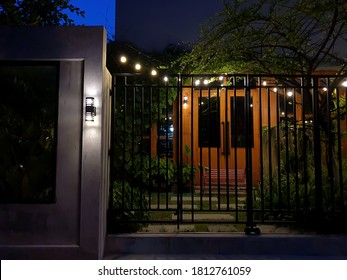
(130,207)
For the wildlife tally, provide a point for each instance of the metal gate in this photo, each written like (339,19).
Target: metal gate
(227,149)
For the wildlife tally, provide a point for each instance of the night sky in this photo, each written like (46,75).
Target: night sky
(153,24)
(149,24)
(100,12)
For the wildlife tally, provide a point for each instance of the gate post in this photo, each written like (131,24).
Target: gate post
(250,225)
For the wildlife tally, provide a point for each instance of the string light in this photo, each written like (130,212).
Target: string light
(138,66)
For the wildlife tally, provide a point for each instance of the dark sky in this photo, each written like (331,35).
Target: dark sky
(153,24)
(100,12)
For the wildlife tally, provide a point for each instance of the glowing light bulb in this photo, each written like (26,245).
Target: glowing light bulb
(137,66)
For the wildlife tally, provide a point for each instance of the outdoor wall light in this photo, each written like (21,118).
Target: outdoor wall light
(166,79)
(344,83)
(154,72)
(197,82)
(90,109)
(185,102)
(289,93)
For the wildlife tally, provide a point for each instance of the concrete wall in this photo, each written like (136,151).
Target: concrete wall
(75,225)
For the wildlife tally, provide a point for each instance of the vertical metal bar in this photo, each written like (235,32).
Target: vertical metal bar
(296,151)
(304,92)
(133,140)
(166,142)
(218,156)
(150,93)
(154,89)
(269,113)
(339,150)
(125,109)
(278,138)
(141,145)
(234,139)
(287,161)
(250,225)
(317,150)
(202,171)
(341,185)
(192,154)
(209,149)
(260,89)
(227,143)
(330,145)
(342,179)
(179,150)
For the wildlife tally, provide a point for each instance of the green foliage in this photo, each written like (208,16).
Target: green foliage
(266,36)
(130,207)
(153,172)
(33,12)
(28,113)
(288,187)
(137,109)
(187,170)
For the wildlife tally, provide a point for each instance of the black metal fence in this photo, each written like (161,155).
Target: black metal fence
(234,149)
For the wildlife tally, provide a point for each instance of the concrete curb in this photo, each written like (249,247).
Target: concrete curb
(232,245)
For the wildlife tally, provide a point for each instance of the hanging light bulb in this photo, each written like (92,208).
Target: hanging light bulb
(123,59)
(138,66)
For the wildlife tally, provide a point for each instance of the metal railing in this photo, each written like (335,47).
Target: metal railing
(233,149)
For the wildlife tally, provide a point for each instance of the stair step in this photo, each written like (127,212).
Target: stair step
(205,217)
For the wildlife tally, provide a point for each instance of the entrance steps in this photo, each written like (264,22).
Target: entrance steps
(193,203)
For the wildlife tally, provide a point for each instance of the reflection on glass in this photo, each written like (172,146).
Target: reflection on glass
(28,114)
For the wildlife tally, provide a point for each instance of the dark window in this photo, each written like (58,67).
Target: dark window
(286,102)
(209,122)
(166,133)
(28,120)
(239,123)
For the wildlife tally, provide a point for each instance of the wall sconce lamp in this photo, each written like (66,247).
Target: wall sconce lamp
(185,102)
(90,109)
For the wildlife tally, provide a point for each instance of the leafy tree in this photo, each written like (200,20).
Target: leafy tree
(282,37)
(35,12)
(267,36)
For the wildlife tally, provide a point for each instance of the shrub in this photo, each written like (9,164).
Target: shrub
(130,207)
